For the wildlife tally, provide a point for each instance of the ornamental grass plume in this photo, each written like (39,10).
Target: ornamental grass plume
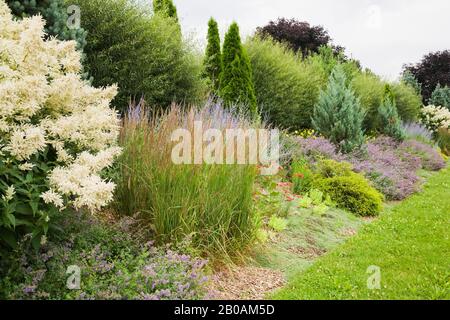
(57,132)
(211,202)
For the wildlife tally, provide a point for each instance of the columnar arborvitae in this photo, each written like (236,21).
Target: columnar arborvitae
(213,57)
(158,6)
(389,120)
(55,14)
(165,7)
(338,115)
(236,82)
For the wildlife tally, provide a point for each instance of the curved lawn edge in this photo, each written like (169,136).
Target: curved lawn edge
(410,244)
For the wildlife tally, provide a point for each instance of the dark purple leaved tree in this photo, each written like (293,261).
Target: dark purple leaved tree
(434,69)
(300,36)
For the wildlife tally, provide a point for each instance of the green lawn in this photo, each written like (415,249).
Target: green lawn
(409,243)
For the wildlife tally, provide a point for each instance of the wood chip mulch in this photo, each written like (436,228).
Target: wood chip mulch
(245,283)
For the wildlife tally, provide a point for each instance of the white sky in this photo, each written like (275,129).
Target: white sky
(382,34)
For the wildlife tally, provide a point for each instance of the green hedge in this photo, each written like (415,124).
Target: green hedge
(408,102)
(143,54)
(286,88)
(370,90)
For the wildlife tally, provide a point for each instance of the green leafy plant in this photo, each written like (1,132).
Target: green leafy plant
(301,176)
(338,115)
(286,86)
(165,7)
(316,196)
(114,265)
(58,133)
(407,101)
(320,209)
(347,189)
(305,202)
(278,224)
(236,83)
(262,236)
(370,90)
(328,168)
(143,54)
(353,193)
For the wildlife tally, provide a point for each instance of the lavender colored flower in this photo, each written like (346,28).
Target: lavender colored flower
(430,158)
(389,165)
(318,147)
(418,132)
(29,289)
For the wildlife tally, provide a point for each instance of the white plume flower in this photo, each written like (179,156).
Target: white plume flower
(47,110)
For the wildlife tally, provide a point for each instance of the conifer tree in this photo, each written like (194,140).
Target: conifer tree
(213,57)
(165,7)
(236,81)
(55,14)
(441,96)
(338,115)
(389,120)
(171,10)
(409,79)
(158,6)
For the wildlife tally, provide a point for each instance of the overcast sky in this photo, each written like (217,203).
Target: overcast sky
(382,34)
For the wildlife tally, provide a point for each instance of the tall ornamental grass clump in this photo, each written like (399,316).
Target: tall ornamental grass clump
(143,53)
(444,140)
(57,133)
(210,203)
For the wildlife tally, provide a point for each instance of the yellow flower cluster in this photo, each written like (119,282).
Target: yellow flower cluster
(44,104)
(305,133)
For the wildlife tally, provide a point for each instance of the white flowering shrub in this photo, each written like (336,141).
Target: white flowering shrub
(57,133)
(435,118)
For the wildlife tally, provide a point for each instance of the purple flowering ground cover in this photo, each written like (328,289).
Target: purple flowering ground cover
(391,166)
(113,266)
